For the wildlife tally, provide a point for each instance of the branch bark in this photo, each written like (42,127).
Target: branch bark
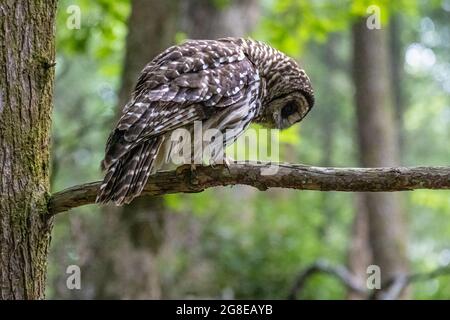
(292,176)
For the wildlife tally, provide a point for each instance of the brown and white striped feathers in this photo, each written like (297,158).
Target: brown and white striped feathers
(226,84)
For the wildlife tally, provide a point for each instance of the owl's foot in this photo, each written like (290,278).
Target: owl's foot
(193,177)
(212,163)
(190,169)
(227,161)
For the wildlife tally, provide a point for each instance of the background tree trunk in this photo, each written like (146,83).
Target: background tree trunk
(328,123)
(152,27)
(141,224)
(359,255)
(378,145)
(396,73)
(207,19)
(27,53)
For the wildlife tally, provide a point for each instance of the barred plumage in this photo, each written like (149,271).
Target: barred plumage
(225,84)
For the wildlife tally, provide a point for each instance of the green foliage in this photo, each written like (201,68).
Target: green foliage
(291,24)
(221,4)
(89,62)
(277,235)
(101,33)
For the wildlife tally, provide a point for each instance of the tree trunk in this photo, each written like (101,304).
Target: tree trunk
(396,67)
(328,124)
(378,145)
(359,255)
(207,19)
(152,27)
(27,53)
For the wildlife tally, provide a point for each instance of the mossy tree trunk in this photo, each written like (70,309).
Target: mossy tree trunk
(27,53)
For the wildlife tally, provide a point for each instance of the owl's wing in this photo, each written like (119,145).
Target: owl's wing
(181,86)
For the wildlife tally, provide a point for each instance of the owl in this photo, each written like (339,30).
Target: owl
(223,84)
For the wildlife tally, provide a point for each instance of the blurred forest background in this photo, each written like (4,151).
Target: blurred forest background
(383,98)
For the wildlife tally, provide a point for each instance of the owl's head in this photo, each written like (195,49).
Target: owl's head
(289,95)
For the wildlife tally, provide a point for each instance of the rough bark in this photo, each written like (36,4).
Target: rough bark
(290,176)
(27,55)
(378,145)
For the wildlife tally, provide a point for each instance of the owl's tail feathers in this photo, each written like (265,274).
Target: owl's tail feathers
(126,177)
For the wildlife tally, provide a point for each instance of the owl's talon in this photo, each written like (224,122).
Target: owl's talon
(227,161)
(193,176)
(212,164)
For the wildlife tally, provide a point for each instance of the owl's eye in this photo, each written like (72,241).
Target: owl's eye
(288,109)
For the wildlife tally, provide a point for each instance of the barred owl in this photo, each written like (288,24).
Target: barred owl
(226,84)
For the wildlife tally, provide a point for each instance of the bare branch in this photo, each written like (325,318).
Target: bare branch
(339,272)
(397,284)
(392,288)
(262,176)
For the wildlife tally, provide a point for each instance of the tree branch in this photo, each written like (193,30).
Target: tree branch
(400,282)
(339,272)
(393,287)
(262,176)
